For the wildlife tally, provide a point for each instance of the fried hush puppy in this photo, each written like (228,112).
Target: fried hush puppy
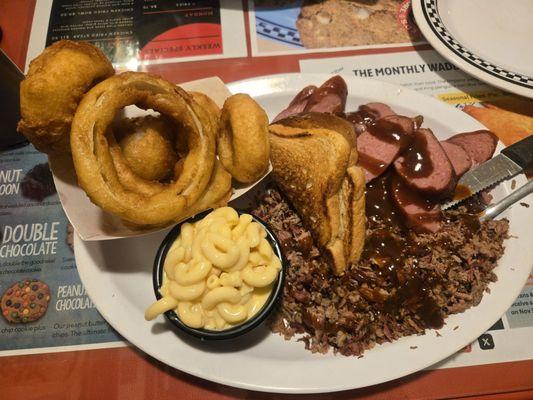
(147,146)
(56,81)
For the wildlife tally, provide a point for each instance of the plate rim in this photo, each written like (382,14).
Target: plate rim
(287,78)
(456,53)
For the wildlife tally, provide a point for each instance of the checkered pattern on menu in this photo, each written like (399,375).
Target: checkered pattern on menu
(278,32)
(431,12)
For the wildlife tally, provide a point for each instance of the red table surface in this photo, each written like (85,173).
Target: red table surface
(127,373)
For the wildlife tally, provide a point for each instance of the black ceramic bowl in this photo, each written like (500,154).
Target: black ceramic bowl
(240,329)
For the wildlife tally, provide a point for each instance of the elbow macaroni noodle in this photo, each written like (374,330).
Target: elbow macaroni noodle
(218,273)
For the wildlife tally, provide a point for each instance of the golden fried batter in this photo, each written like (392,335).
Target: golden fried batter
(147,146)
(56,81)
(207,103)
(243,146)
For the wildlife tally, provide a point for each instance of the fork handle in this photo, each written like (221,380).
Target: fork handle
(502,205)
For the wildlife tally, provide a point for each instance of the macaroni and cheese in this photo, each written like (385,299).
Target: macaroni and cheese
(218,273)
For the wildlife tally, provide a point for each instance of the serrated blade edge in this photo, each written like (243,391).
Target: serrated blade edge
(491,172)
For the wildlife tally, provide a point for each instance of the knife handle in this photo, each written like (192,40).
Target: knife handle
(521,152)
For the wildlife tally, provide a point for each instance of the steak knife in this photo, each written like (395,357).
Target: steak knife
(510,162)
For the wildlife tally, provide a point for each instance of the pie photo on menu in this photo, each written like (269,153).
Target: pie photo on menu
(312,24)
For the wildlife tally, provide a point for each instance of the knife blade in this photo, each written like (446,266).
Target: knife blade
(509,163)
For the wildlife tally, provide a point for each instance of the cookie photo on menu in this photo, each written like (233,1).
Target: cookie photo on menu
(25,301)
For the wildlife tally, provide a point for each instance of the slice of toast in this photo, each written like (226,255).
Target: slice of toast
(312,120)
(312,167)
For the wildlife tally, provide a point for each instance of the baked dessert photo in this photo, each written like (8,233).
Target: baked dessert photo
(342,23)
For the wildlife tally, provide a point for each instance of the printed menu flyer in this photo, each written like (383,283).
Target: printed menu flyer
(146,30)
(135,33)
(43,303)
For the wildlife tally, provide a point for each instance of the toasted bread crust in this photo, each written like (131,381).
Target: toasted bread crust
(355,194)
(54,85)
(313,168)
(309,168)
(312,120)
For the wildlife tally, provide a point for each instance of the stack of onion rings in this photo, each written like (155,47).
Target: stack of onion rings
(148,170)
(113,186)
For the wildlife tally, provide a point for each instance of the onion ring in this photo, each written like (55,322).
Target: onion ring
(155,203)
(207,103)
(243,145)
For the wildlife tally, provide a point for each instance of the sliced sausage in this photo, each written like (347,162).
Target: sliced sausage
(418,213)
(368,113)
(378,110)
(460,160)
(330,97)
(375,155)
(297,105)
(424,166)
(406,123)
(379,145)
(479,145)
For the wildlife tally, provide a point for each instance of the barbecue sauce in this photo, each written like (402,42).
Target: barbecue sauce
(461,192)
(373,165)
(395,255)
(416,161)
(405,195)
(379,204)
(303,95)
(397,268)
(415,294)
(359,117)
(418,121)
(389,132)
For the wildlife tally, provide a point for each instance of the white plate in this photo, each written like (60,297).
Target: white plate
(118,277)
(489,39)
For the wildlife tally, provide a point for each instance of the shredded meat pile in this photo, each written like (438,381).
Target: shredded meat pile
(442,274)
